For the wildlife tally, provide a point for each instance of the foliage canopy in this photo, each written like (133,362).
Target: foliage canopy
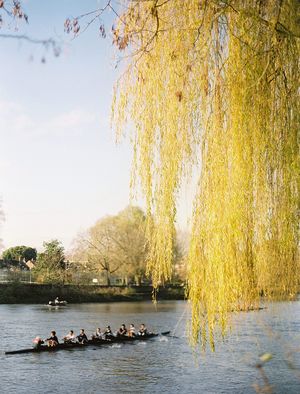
(116,245)
(215,85)
(25,253)
(50,265)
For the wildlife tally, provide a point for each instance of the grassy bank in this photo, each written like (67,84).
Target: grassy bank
(32,293)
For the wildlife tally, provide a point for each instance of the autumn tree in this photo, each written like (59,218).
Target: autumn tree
(116,245)
(130,236)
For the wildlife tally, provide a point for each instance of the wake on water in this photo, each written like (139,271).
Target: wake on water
(163,339)
(116,346)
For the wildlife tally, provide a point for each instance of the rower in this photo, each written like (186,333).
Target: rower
(70,337)
(37,342)
(143,330)
(82,338)
(131,331)
(56,301)
(52,340)
(108,334)
(122,331)
(98,334)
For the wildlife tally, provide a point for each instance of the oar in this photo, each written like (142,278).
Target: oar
(168,333)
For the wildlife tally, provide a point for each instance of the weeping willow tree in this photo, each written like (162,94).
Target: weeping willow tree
(214,85)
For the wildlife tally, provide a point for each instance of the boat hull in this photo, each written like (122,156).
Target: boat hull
(56,304)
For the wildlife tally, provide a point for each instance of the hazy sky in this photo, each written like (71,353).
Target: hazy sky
(60,168)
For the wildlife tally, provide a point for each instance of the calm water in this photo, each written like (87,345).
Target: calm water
(156,366)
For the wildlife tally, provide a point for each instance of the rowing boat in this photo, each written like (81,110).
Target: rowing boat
(91,342)
(57,303)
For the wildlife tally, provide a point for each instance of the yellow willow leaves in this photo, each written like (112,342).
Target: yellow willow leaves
(215,84)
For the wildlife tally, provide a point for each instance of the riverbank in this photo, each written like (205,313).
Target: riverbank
(33,293)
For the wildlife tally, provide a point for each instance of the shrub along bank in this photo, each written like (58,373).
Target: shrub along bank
(33,293)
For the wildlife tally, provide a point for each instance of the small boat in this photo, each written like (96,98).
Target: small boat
(91,342)
(57,303)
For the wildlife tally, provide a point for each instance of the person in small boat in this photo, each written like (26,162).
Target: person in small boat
(56,301)
(122,331)
(52,340)
(37,342)
(98,334)
(82,338)
(70,337)
(108,334)
(143,330)
(131,331)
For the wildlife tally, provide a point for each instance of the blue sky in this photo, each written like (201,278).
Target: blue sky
(60,168)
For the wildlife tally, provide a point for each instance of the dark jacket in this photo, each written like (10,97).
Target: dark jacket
(82,338)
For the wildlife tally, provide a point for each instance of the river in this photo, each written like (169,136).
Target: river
(161,365)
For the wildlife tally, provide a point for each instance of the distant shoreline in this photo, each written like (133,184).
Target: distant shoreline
(32,293)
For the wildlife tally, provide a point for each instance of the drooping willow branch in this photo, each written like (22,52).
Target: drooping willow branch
(218,86)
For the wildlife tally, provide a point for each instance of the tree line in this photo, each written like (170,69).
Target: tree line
(115,246)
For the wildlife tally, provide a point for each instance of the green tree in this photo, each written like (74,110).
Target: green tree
(50,265)
(30,254)
(20,253)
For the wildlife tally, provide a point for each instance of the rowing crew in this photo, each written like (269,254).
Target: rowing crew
(82,338)
(122,332)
